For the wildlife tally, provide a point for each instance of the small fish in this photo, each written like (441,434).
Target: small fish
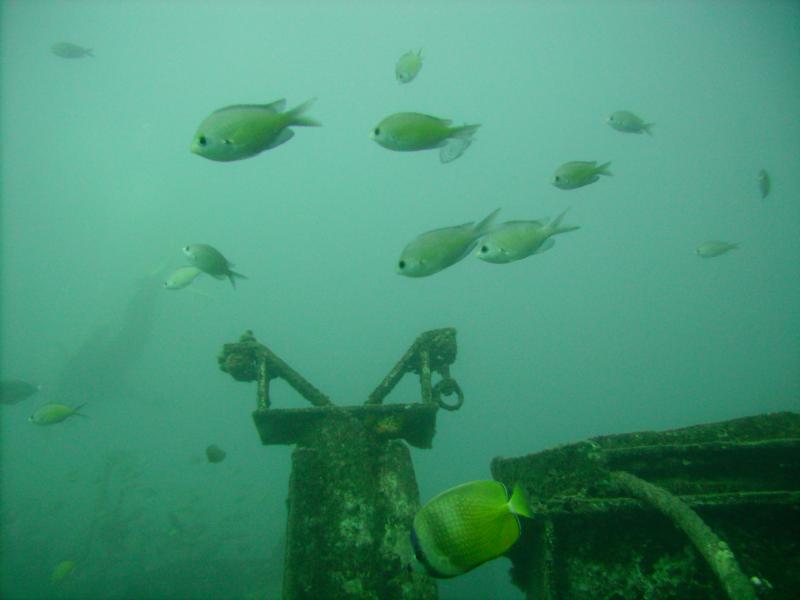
(627,122)
(515,240)
(62,570)
(181,277)
(408,66)
(50,414)
(209,260)
(714,248)
(764,184)
(244,130)
(408,132)
(215,454)
(176,527)
(579,173)
(16,390)
(435,250)
(70,50)
(466,526)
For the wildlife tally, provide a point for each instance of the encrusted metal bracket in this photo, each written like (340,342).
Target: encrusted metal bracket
(433,351)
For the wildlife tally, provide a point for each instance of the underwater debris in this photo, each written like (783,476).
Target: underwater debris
(433,351)
(594,538)
(715,551)
(352,466)
(215,454)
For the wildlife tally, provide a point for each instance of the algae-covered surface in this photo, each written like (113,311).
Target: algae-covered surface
(352,498)
(590,541)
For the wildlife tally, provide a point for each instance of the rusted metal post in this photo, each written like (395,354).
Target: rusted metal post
(352,491)
(262,395)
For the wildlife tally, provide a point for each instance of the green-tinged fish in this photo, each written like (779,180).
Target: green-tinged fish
(181,277)
(209,260)
(408,66)
(244,130)
(62,570)
(16,390)
(69,50)
(215,454)
(515,240)
(435,250)
(714,248)
(50,414)
(579,173)
(408,132)
(466,526)
(764,184)
(627,122)
(176,527)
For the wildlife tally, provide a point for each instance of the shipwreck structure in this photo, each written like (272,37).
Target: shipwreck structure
(352,492)
(708,512)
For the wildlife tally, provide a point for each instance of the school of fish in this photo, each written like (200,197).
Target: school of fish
(470,524)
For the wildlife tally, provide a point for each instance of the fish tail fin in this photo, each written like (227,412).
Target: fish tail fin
(558,228)
(603,169)
(518,504)
(233,275)
(647,128)
(296,115)
(734,245)
(89,52)
(459,140)
(486,224)
(464,132)
(79,414)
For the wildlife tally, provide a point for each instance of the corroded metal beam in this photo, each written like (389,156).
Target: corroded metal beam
(250,360)
(433,351)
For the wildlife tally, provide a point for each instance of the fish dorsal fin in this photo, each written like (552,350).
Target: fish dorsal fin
(276,106)
(445,122)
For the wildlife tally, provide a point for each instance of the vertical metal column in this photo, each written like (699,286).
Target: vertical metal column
(352,492)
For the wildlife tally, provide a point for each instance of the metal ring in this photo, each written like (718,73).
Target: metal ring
(447,386)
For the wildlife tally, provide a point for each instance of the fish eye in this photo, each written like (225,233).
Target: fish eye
(402,264)
(377,131)
(484,249)
(202,140)
(558,178)
(227,142)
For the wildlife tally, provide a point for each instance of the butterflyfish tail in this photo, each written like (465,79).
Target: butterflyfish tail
(518,504)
